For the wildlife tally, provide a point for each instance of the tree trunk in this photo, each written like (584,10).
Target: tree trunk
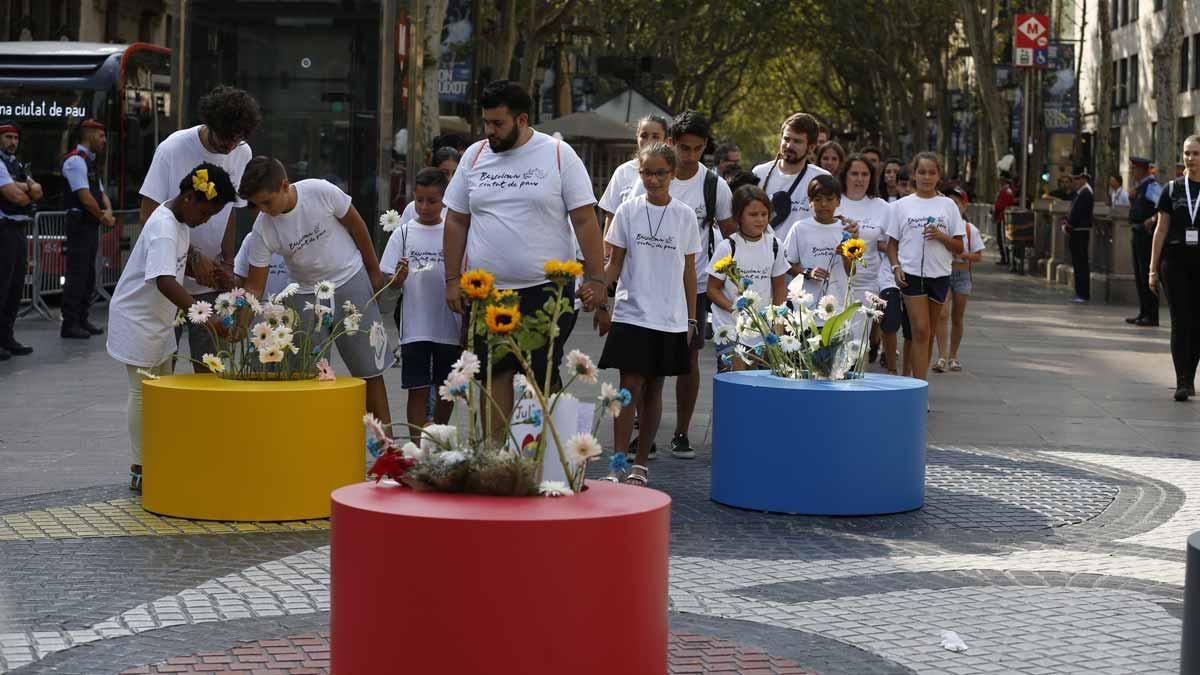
(435,18)
(994,118)
(1166,90)
(1104,95)
(508,39)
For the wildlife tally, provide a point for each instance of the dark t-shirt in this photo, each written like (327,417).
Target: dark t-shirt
(1173,202)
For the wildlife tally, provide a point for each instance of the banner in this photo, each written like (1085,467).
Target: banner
(454,66)
(1058,89)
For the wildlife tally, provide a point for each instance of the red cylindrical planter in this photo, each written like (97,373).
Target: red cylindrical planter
(428,583)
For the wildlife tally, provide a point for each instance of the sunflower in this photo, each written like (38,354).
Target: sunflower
(502,320)
(854,248)
(503,297)
(477,284)
(562,271)
(723,264)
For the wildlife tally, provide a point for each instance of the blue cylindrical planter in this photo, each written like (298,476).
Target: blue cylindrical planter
(848,448)
(1189,662)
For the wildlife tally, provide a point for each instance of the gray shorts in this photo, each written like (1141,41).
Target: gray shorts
(960,281)
(363,359)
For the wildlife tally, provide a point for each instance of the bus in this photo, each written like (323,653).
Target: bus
(49,87)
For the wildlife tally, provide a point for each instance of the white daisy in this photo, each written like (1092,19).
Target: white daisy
(725,335)
(351,323)
(468,365)
(752,299)
(271,354)
(456,386)
(412,451)
(814,342)
(224,305)
(789,344)
(282,337)
(389,220)
(581,365)
(273,311)
(324,290)
(200,312)
(253,302)
(452,457)
(349,308)
(827,307)
(437,437)
(213,363)
(554,488)
(582,448)
(287,292)
(609,398)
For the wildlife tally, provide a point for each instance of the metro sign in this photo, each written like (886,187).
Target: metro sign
(1031,38)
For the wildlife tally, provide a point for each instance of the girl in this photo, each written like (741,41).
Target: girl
(960,287)
(759,259)
(812,247)
(650,130)
(889,191)
(654,242)
(831,156)
(861,206)
(925,234)
(141,316)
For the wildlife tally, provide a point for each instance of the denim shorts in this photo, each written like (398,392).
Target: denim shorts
(960,281)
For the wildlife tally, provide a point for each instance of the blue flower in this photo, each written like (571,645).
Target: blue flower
(781,311)
(741,303)
(227,321)
(772,339)
(746,284)
(619,462)
(374,446)
(624,396)
(762,313)
(845,236)
(240,302)
(327,320)
(316,350)
(535,418)
(759,350)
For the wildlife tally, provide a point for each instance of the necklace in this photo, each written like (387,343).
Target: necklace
(654,231)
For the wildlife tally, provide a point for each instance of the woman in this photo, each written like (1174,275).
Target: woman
(925,234)
(860,204)
(960,288)
(651,129)
(1177,245)
(830,157)
(889,191)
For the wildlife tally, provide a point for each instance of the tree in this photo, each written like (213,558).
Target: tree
(433,20)
(1166,89)
(979,25)
(1104,95)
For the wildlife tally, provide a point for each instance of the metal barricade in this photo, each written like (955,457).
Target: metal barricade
(30,295)
(110,259)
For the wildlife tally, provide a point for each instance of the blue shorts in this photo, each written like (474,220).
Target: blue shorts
(935,288)
(426,364)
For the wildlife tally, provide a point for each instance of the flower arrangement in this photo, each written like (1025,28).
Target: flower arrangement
(793,344)
(271,339)
(449,459)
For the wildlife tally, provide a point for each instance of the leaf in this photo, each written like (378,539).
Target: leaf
(832,326)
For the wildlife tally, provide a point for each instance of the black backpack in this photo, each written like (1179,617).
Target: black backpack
(733,248)
(710,207)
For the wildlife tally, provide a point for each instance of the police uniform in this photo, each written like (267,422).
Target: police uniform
(1142,206)
(14,249)
(83,240)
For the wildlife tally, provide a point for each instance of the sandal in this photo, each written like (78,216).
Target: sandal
(135,478)
(939,366)
(955,365)
(635,478)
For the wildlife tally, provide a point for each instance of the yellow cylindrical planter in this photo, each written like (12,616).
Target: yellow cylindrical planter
(244,450)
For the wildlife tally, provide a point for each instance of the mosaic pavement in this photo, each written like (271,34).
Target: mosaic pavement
(1043,561)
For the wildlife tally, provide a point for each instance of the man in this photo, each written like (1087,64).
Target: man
(1078,226)
(1117,196)
(1142,217)
(228,116)
(88,209)
(786,179)
(1004,199)
(729,159)
(18,192)
(508,207)
(711,199)
(1064,191)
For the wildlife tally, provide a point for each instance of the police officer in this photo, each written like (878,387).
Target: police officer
(18,192)
(1143,205)
(87,209)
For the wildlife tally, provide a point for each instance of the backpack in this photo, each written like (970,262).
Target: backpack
(710,207)
(774,247)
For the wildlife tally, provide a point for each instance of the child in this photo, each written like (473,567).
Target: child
(321,237)
(960,287)
(141,316)
(758,256)
(812,247)
(926,233)
(429,331)
(277,274)
(654,242)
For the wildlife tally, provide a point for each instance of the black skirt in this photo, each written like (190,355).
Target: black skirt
(647,352)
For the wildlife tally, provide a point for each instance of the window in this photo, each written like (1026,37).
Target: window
(1116,14)
(1122,80)
(1159,4)
(1184,62)
(1196,71)
(1124,11)
(1133,10)
(1133,78)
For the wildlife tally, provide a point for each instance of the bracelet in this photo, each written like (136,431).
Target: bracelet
(693,323)
(895,267)
(603,308)
(804,272)
(453,278)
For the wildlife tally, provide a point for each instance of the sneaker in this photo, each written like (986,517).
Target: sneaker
(135,478)
(681,448)
(1078,300)
(633,447)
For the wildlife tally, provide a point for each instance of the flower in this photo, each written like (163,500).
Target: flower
(562,271)
(287,292)
(789,344)
(554,488)
(324,290)
(581,365)
(619,462)
(224,305)
(624,396)
(455,387)
(477,284)
(273,311)
(253,302)
(271,354)
(451,457)
(827,307)
(468,365)
(213,363)
(349,308)
(503,297)
(180,318)
(725,335)
(147,374)
(723,264)
(261,333)
(200,312)
(389,220)
(582,447)
(771,339)
(325,371)
(610,399)
(748,298)
(854,248)
(438,437)
(502,320)
(814,342)
(873,300)
(412,451)
(351,323)
(390,465)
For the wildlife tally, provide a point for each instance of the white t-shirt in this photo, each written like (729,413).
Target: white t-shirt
(972,243)
(918,255)
(691,193)
(426,317)
(811,244)
(650,291)
(174,159)
(277,274)
(758,264)
(782,182)
(313,243)
(519,201)
(872,215)
(620,186)
(141,320)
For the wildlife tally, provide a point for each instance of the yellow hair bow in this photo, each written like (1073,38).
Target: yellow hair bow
(203,185)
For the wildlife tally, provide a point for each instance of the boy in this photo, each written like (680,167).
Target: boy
(429,331)
(321,237)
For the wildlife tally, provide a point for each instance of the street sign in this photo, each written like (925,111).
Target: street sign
(1031,41)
